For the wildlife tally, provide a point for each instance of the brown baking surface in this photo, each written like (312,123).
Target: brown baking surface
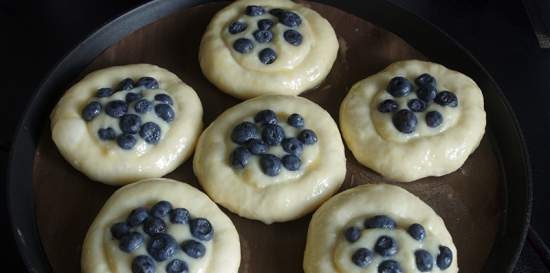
(470,200)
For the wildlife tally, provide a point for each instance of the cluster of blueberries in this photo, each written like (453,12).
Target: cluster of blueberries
(254,141)
(387,246)
(405,120)
(131,124)
(263,34)
(160,245)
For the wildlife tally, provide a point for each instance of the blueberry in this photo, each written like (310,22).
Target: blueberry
(444,258)
(273,134)
(426,93)
(104,92)
(434,119)
(292,146)
(126,141)
(143,264)
(154,225)
(424,260)
(389,266)
(120,230)
(162,246)
(150,132)
(404,121)
(276,12)
(388,106)
(446,98)
(362,257)
(352,234)
(265,24)
(177,266)
(143,106)
(244,132)
(131,242)
(256,146)
(148,82)
(165,112)
(201,229)
(417,231)
(266,117)
(126,84)
(296,121)
(193,249)
(307,137)
(289,19)
(137,217)
(92,110)
(267,56)
(399,87)
(243,45)
(386,246)
(237,27)
(129,123)
(270,164)
(254,10)
(163,98)
(417,105)
(179,216)
(291,162)
(293,37)
(239,157)
(161,209)
(130,97)
(380,221)
(116,108)
(425,79)
(263,36)
(106,133)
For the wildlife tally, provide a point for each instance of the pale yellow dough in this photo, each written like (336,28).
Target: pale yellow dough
(297,68)
(254,195)
(100,252)
(104,161)
(375,142)
(327,251)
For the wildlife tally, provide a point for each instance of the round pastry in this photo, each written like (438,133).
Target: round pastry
(412,120)
(273,158)
(161,225)
(258,47)
(378,228)
(125,123)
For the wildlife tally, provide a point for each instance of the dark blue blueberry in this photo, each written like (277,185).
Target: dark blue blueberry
(106,133)
(293,37)
(143,106)
(131,242)
(126,84)
(424,260)
(130,97)
(380,221)
(362,257)
(307,137)
(389,266)
(150,132)
(137,217)
(296,121)
(163,98)
(154,225)
(417,105)
(244,132)
(239,157)
(352,234)
(177,266)
(425,79)
(179,216)
(263,36)
(148,82)
(426,93)
(386,246)
(266,117)
(201,229)
(165,112)
(388,106)
(273,134)
(446,98)
(270,164)
(254,10)
(161,209)
(444,258)
(104,92)
(129,123)
(265,24)
(399,87)
(237,27)
(162,246)
(289,19)
(267,56)
(193,249)
(256,146)
(404,121)
(292,146)
(276,12)
(243,45)
(120,230)
(116,108)
(417,231)
(434,119)
(291,162)
(126,141)
(143,264)
(92,110)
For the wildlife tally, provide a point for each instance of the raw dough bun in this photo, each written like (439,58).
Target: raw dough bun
(375,142)
(100,252)
(327,251)
(106,162)
(297,68)
(254,195)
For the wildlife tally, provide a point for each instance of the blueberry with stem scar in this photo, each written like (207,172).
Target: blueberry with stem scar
(273,134)
(150,132)
(417,105)
(201,229)
(265,24)
(386,246)
(244,132)
(292,146)
(307,137)
(267,56)
(243,45)
(446,98)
